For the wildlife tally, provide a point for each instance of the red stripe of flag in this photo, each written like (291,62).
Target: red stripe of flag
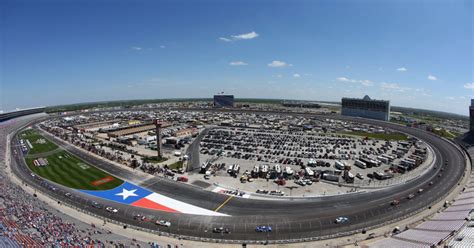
(145,203)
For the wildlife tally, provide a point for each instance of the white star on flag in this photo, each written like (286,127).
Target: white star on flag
(126,193)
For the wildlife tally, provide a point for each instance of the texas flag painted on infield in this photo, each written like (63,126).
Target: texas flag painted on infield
(134,195)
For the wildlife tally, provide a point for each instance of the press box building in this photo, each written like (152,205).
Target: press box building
(471,116)
(223,101)
(366,108)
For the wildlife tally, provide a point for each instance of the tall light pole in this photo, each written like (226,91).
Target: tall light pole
(158,126)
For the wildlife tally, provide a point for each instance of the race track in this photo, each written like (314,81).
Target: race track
(291,220)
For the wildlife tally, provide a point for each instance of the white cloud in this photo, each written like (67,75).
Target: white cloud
(402,69)
(237,63)
(296,75)
(449,98)
(277,63)
(278,76)
(224,39)
(432,78)
(136,48)
(469,86)
(365,82)
(247,36)
(394,87)
(162,46)
(343,79)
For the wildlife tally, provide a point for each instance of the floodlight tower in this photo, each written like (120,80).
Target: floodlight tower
(158,126)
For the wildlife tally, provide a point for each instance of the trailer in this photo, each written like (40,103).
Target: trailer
(389,157)
(360,164)
(383,159)
(369,163)
(236,169)
(230,169)
(348,177)
(312,162)
(277,168)
(264,170)
(204,167)
(330,177)
(255,171)
(339,165)
(309,172)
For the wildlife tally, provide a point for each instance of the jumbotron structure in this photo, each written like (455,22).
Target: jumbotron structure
(194,214)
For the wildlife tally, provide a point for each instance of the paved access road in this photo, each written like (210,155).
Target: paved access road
(290,219)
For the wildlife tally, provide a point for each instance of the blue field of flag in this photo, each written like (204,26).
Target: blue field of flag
(126,193)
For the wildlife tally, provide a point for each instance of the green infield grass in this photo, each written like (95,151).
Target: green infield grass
(39,143)
(68,170)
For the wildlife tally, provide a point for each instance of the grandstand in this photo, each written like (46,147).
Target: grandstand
(25,221)
(455,223)
(465,237)
(14,114)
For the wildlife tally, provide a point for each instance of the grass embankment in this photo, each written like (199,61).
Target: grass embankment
(154,160)
(176,165)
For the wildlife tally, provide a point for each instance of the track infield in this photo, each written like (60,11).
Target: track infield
(68,170)
(39,143)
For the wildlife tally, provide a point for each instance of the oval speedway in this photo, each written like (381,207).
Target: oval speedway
(291,219)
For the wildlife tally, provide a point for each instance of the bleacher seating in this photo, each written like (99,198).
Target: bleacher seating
(5,242)
(441,226)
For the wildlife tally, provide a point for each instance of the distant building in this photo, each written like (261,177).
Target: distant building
(224,101)
(300,104)
(471,115)
(366,108)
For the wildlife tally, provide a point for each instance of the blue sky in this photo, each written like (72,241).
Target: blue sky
(414,53)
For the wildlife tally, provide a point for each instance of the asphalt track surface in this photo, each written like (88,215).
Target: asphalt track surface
(293,219)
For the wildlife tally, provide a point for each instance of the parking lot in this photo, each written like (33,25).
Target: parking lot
(306,162)
(266,152)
